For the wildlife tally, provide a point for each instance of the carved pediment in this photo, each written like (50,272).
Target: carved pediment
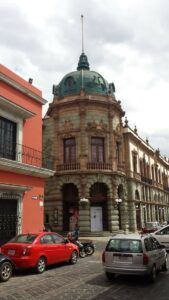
(97,126)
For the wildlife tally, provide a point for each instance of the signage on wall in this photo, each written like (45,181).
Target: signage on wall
(40,197)
(35,197)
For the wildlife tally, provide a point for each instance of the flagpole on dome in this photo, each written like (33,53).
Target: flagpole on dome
(82,34)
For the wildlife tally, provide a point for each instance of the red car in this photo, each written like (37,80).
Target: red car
(39,250)
(151,227)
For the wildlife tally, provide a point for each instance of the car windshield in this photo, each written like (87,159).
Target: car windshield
(24,238)
(124,245)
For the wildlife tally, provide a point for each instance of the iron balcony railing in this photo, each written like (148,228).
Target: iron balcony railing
(26,155)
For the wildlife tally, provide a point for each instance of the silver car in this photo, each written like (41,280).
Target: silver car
(162,235)
(134,254)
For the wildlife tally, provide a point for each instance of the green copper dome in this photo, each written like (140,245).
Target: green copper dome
(90,82)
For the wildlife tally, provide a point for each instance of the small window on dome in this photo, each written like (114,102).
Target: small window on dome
(69,82)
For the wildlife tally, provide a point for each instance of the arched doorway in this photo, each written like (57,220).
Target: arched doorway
(70,206)
(98,209)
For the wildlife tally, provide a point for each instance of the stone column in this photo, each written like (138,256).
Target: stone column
(124,216)
(113,218)
(84,217)
(84,208)
(148,213)
(153,213)
(132,217)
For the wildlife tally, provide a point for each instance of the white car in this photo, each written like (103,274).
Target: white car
(134,254)
(162,235)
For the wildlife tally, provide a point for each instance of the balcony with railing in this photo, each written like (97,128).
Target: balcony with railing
(26,155)
(99,166)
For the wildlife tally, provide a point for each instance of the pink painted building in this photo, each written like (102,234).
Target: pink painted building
(23,169)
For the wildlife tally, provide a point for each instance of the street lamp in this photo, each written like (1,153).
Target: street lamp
(117,202)
(84,201)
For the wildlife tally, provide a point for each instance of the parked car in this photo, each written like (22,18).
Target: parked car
(162,235)
(6,268)
(39,250)
(134,254)
(151,227)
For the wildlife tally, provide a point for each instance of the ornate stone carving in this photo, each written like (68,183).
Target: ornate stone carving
(68,125)
(97,126)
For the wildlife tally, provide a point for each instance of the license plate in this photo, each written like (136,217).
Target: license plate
(11,252)
(123,258)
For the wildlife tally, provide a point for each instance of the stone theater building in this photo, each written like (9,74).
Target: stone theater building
(107,177)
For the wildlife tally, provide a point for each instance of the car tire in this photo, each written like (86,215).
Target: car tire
(73,258)
(82,253)
(5,271)
(41,265)
(109,275)
(89,250)
(153,274)
(165,266)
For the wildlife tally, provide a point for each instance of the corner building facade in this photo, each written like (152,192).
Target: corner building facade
(107,178)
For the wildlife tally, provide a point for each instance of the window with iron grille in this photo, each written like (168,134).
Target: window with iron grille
(7,138)
(69,150)
(97,150)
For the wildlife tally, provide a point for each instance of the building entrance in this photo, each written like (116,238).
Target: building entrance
(8,219)
(96,218)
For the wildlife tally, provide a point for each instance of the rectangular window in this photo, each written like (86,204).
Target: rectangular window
(7,138)
(97,149)
(69,150)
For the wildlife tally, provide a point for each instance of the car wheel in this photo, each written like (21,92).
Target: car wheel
(109,275)
(5,271)
(89,250)
(153,274)
(73,259)
(41,265)
(165,265)
(82,253)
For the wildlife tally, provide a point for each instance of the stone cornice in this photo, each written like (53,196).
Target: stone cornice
(22,89)
(86,100)
(20,168)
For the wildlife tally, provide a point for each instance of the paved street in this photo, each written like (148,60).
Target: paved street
(85,280)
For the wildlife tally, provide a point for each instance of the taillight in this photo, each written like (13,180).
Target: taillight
(26,251)
(103,257)
(145,259)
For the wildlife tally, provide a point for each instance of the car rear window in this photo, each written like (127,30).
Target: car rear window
(124,245)
(24,238)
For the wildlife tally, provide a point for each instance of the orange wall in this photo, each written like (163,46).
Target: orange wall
(32,129)
(32,212)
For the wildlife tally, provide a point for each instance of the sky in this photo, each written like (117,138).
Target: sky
(126,41)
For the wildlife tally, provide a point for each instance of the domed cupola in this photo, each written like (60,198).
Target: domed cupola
(83,79)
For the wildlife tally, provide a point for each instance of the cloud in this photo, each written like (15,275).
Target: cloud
(126,41)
